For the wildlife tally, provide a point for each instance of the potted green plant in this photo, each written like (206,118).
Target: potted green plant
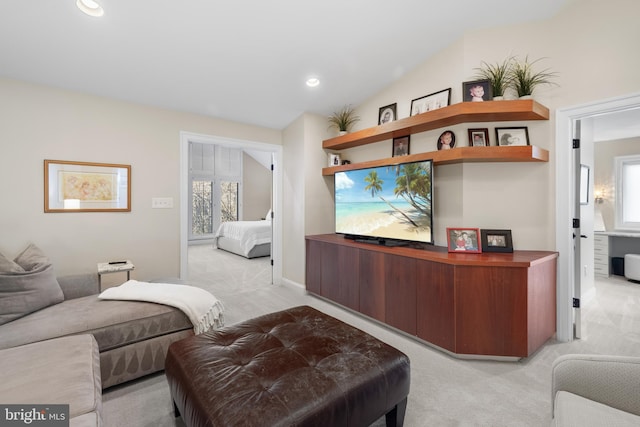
(499,75)
(343,119)
(525,79)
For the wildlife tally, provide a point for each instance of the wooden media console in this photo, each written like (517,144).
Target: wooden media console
(491,305)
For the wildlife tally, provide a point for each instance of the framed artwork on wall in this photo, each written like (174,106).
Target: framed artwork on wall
(86,187)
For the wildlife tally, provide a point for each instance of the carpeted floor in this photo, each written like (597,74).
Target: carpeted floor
(445,391)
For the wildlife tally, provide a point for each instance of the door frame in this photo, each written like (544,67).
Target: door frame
(564,201)
(276,150)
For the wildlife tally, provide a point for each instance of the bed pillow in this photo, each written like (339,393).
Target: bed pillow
(27,284)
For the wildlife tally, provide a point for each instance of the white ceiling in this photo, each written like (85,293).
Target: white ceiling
(244,60)
(618,125)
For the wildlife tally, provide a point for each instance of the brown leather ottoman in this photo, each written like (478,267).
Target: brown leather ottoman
(297,367)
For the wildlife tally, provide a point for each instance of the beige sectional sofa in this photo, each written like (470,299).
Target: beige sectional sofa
(596,390)
(62,371)
(61,344)
(132,337)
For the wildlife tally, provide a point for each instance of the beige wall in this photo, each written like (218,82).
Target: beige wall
(591,45)
(256,193)
(604,174)
(293,201)
(308,202)
(38,123)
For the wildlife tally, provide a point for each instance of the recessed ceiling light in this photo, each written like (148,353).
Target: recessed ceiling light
(313,82)
(90,7)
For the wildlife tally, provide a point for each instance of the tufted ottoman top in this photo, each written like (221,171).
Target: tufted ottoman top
(294,367)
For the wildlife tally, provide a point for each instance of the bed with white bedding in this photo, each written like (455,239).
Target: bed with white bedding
(250,239)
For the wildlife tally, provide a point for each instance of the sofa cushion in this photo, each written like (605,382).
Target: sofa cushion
(62,371)
(573,410)
(113,323)
(27,284)
(32,258)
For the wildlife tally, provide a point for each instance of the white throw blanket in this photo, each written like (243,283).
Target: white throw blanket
(203,309)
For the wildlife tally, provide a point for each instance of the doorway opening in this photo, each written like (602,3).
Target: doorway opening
(567,193)
(267,151)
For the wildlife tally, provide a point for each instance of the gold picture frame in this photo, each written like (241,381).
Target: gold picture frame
(86,187)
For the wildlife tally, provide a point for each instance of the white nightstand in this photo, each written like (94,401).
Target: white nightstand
(106,268)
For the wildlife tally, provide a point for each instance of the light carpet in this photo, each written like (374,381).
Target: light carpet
(445,391)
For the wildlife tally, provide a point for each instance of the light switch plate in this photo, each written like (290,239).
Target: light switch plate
(162,203)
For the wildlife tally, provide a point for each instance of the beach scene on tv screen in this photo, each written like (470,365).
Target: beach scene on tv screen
(392,202)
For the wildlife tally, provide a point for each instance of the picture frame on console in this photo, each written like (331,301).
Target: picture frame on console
(431,102)
(401,146)
(497,241)
(387,114)
(71,186)
(465,240)
(478,137)
(512,136)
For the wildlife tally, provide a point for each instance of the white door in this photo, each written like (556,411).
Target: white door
(577,235)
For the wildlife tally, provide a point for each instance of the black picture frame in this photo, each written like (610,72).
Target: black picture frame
(512,136)
(441,140)
(387,114)
(485,95)
(430,102)
(478,137)
(401,146)
(496,241)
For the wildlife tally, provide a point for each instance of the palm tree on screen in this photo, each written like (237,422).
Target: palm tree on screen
(374,183)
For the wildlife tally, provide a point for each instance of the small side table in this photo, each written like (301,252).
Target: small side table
(106,268)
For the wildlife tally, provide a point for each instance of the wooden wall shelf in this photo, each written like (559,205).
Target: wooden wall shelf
(528,153)
(465,112)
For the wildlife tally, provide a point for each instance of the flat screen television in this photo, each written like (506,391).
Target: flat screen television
(387,204)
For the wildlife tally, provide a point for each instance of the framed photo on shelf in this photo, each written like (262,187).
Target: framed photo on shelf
(465,240)
(334,159)
(476,91)
(86,187)
(512,136)
(431,102)
(446,140)
(479,137)
(497,241)
(387,114)
(401,146)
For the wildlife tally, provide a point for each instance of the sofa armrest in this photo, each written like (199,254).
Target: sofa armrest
(79,285)
(611,380)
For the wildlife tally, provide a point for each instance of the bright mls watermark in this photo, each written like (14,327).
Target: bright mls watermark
(34,415)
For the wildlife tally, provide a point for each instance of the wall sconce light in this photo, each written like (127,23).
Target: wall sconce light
(599,195)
